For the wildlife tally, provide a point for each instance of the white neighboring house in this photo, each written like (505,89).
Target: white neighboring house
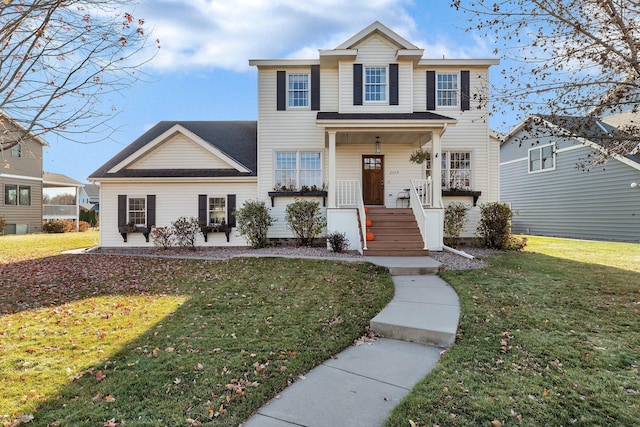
(338,129)
(61,197)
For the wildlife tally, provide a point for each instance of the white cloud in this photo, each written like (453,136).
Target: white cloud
(226,34)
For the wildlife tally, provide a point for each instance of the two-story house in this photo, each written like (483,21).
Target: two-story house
(339,129)
(20,179)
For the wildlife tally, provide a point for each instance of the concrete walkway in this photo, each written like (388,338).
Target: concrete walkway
(361,385)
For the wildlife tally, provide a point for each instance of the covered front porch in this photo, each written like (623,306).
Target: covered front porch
(369,167)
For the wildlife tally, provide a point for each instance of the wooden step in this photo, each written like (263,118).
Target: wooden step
(396,252)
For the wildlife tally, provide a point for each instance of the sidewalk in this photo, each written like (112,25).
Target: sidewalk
(361,385)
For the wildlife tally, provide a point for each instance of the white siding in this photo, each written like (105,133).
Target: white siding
(329,92)
(181,152)
(173,200)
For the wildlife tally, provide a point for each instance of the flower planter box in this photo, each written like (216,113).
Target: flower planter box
(463,193)
(124,230)
(215,229)
(274,194)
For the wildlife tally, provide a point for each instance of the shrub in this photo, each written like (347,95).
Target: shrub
(338,241)
(494,228)
(3,224)
(253,221)
(58,226)
(305,220)
(185,231)
(454,217)
(83,226)
(90,217)
(162,237)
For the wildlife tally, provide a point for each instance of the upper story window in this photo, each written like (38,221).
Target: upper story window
(295,170)
(217,210)
(137,211)
(17,195)
(298,90)
(16,150)
(375,84)
(447,90)
(542,158)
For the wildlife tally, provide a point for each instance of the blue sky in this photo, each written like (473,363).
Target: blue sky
(202,70)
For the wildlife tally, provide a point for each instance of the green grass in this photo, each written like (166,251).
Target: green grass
(29,246)
(546,337)
(85,339)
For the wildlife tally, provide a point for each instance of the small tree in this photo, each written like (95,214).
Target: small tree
(253,221)
(338,241)
(185,231)
(89,216)
(494,228)
(454,217)
(162,237)
(305,220)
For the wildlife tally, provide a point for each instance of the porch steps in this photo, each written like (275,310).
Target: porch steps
(396,233)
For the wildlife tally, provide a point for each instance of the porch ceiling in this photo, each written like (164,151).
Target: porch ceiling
(386,137)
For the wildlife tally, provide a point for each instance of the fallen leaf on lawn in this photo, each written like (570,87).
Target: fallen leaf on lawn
(545,392)
(177,381)
(100,376)
(412,424)
(110,398)
(156,351)
(496,423)
(110,423)
(198,367)
(193,422)
(169,349)
(283,368)
(23,420)
(97,397)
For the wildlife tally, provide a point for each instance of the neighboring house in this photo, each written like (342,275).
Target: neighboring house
(20,180)
(338,129)
(61,197)
(544,179)
(90,197)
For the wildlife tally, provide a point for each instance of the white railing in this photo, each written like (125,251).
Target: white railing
(349,195)
(423,191)
(59,211)
(419,195)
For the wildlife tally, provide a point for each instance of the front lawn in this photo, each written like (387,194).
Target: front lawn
(546,337)
(112,340)
(19,247)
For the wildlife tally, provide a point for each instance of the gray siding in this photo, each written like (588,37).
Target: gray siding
(30,215)
(567,202)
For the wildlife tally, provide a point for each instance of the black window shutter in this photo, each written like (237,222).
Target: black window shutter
(282,90)
(431,90)
(202,209)
(122,209)
(465,90)
(151,210)
(393,84)
(357,84)
(315,88)
(231,207)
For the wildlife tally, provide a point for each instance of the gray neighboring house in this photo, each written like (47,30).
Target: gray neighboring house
(552,195)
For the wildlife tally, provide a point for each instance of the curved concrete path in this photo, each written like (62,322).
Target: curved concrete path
(361,385)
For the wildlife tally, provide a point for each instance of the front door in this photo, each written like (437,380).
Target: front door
(373,179)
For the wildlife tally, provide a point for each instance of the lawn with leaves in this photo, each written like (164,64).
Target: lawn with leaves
(111,340)
(14,247)
(546,337)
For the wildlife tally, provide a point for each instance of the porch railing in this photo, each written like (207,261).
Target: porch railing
(421,197)
(60,211)
(349,195)
(424,191)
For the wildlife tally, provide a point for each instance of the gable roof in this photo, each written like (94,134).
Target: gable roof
(58,179)
(233,141)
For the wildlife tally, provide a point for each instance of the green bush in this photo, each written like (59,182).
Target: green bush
(58,226)
(89,216)
(162,237)
(494,228)
(305,220)
(253,220)
(338,241)
(454,217)
(185,231)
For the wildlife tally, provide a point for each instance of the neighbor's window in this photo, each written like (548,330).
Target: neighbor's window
(298,90)
(16,150)
(375,84)
(456,170)
(217,210)
(296,169)
(17,195)
(138,210)
(542,158)
(447,90)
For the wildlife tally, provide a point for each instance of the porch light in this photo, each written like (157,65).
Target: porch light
(377,145)
(635,185)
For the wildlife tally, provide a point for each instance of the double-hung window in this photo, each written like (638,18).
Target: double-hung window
(17,195)
(542,158)
(447,90)
(297,169)
(217,210)
(137,209)
(298,90)
(456,170)
(16,150)
(375,84)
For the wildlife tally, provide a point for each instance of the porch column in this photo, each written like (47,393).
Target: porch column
(436,170)
(332,169)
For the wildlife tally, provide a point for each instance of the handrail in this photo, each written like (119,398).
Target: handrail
(349,194)
(417,206)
